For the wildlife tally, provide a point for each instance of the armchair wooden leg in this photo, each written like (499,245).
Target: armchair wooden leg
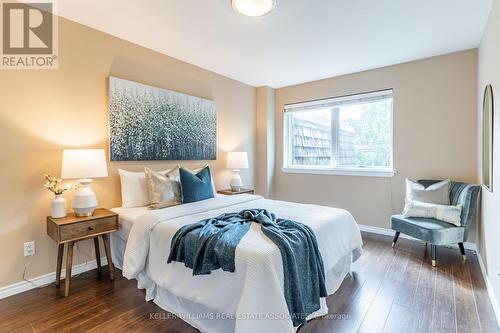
(395,239)
(462,250)
(434,254)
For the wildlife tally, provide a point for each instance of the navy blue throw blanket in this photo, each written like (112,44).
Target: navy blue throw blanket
(211,244)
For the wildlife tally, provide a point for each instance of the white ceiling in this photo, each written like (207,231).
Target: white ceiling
(300,41)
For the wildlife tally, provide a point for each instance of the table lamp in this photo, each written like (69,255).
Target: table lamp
(236,160)
(83,164)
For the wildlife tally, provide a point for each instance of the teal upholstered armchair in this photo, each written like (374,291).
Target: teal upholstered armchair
(437,232)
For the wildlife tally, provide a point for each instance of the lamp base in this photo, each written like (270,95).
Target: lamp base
(87,214)
(85,200)
(236,182)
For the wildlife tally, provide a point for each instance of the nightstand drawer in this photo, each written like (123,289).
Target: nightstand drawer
(87,228)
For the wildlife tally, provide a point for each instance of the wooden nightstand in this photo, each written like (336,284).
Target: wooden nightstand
(71,229)
(242,191)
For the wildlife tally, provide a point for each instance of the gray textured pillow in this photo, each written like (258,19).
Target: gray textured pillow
(163,189)
(437,193)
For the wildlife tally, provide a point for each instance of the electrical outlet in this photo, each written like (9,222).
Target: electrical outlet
(29,248)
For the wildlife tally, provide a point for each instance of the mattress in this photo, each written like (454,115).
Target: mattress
(127,217)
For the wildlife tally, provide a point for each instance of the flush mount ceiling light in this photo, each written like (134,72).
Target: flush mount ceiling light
(253,7)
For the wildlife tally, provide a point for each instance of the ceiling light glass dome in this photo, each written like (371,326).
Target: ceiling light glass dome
(253,7)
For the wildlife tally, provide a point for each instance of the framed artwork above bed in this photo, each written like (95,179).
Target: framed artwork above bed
(149,123)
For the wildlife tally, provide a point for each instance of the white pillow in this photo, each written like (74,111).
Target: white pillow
(134,189)
(437,193)
(449,214)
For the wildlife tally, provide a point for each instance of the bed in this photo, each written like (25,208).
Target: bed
(250,299)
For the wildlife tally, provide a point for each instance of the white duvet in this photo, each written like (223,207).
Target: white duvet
(252,297)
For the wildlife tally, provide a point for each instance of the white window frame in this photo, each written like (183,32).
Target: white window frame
(325,170)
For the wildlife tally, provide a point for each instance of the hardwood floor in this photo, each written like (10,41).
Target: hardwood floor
(390,290)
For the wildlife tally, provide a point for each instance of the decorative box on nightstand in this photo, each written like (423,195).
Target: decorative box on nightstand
(242,191)
(71,229)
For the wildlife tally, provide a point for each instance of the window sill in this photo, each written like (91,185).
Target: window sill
(343,172)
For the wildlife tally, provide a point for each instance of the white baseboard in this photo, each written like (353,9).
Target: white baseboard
(489,288)
(47,279)
(389,232)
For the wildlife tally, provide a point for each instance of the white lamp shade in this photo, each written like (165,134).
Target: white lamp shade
(84,163)
(237,160)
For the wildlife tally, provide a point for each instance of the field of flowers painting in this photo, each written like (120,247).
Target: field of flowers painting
(149,123)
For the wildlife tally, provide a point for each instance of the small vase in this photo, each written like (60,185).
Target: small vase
(58,206)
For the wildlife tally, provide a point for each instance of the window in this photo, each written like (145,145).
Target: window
(343,135)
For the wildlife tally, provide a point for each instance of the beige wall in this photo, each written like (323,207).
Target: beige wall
(489,73)
(435,135)
(45,111)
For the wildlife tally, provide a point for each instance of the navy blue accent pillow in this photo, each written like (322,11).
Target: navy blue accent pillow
(196,187)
